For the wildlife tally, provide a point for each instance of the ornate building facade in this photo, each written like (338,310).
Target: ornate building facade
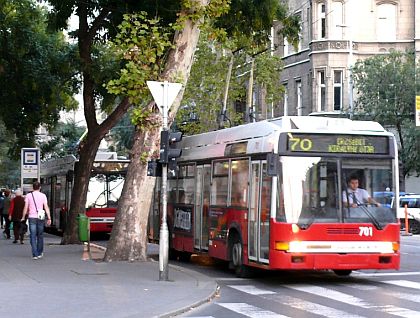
(334,35)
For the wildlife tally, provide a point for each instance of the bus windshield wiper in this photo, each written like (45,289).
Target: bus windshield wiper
(370,215)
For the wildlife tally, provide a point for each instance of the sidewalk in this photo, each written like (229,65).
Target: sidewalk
(63,285)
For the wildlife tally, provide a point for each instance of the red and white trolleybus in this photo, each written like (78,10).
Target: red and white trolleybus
(272,195)
(104,189)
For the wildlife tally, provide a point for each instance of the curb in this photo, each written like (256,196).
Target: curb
(99,247)
(191,273)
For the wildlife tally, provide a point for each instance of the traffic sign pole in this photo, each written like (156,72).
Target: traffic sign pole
(164,94)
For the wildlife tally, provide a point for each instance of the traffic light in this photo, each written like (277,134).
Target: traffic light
(168,152)
(154,168)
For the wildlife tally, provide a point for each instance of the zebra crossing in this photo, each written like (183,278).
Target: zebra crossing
(373,298)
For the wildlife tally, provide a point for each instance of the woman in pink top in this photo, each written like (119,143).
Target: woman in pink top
(34,202)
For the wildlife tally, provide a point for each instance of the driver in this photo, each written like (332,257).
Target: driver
(355,196)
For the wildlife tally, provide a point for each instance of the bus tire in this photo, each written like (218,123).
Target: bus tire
(241,270)
(173,254)
(414,226)
(185,256)
(342,272)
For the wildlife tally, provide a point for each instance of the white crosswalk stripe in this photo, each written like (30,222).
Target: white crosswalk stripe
(332,294)
(355,301)
(403,283)
(311,307)
(251,311)
(250,289)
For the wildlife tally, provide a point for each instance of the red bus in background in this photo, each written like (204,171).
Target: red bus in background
(104,189)
(271,195)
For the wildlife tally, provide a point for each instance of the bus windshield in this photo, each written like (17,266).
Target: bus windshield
(322,190)
(104,190)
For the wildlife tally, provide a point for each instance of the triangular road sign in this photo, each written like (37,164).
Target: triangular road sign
(156,88)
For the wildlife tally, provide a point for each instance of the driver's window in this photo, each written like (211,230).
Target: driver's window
(96,196)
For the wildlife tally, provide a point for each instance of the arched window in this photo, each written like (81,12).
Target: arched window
(386,22)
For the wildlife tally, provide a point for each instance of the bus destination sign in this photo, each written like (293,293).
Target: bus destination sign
(349,144)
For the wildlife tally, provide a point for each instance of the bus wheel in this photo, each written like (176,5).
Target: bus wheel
(342,272)
(414,226)
(173,254)
(241,270)
(184,256)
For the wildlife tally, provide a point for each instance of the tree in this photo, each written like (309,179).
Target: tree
(37,78)
(9,169)
(203,98)
(386,89)
(98,21)
(128,239)
(63,141)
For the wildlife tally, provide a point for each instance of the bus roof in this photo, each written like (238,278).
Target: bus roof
(262,136)
(60,166)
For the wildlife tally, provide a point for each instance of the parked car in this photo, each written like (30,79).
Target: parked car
(384,197)
(413,211)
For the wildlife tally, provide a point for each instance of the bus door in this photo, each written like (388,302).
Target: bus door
(201,209)
(259,212)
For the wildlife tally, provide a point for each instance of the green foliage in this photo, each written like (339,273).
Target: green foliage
(9,169)
(63,141)
(122,136)
(249,22)
(386,89)
(204,93)
(37,74)
(142,43)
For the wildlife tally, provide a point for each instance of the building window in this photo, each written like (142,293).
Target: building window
(338,90)
(337,21)
(299,97)
(321,91)
(321,21)
(386,27)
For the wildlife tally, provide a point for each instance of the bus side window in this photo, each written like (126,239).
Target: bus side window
(219,185)
(239,183)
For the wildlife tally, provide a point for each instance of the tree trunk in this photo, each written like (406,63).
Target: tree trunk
(80,187)
(129,233)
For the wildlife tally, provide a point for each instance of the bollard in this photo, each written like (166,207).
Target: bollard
(407,226)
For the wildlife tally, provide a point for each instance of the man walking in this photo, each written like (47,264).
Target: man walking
(36,207)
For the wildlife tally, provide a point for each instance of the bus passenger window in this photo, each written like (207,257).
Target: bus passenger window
(219,187)
(239,182)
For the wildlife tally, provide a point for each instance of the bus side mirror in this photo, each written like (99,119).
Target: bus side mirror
(273,164)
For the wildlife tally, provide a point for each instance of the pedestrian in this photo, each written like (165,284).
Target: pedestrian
(1,208)
(15,215)
(5,213)
(36,207)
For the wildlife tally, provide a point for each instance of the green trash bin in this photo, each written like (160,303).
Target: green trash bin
(84,228)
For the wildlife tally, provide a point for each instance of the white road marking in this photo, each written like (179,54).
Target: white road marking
(229,278)
(311,307)
(403,283)
(359,286)
(354,301)
(405,296)
(250,311)
(385,274)
(250,289)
